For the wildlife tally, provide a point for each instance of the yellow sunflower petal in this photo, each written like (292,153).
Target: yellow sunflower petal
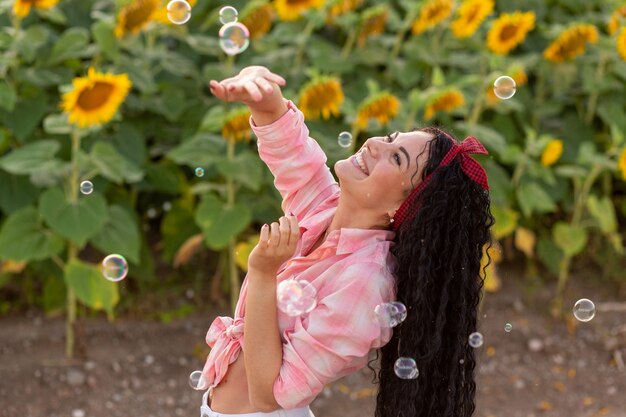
(552,152)
(509,30)
(571,43)
(21,8)
(321,97)
(293,9)
(470,16)
(133,17)
(431,13)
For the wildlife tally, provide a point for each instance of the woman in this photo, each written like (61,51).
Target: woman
(409,224)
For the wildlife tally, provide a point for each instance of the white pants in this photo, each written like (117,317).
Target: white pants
(205,411)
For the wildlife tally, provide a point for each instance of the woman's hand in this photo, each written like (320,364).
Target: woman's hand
(254,86)
(277,244)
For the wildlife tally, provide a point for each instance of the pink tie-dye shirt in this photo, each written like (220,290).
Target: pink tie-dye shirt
(350,271)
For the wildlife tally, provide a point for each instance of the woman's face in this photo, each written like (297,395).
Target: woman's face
(393,163)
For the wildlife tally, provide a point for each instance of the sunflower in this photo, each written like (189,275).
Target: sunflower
(237,125)
(373,21)
(492,281)
(446,102)
(614,21)
(519,76)
(258,20)
(622,164)
(293,9)
(621,43)
(95,98)
(160,15)
(509,30)
(321,96)
(552,152)
(135,16)
(571,43)
(21,8)
(470,15)
(431,13)
(341,7)
(382,107)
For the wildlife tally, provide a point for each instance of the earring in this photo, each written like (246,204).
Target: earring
(391,220)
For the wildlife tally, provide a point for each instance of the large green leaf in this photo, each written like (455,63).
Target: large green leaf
(29,158)
(202,150)
(177,226)
(220,223)
(79,221)
(8,96)
(23,238)
(27,114)
(532,198)
(492,140)
(57,124)
(30,40)
(571,239)
(90,286)
(120,235)
(129,142)
(54,294)
(246,168)
(112,165)
(506,221)
(603,211)
(105,39)
(71,44)
(551,255)
(16,192)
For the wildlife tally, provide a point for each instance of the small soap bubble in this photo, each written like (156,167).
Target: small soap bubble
(296,297)
(152,213)
(167,206)
(475,340)
(234,38)
(344,139)
(504,87)
(178,11)
(508,327)
(86,187)
(461,361)
(584,310)
(199,172)
(197,380)
(406,368)
(390,314)
(114,267)
(228,14)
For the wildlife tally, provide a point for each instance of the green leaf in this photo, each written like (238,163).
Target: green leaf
(105,39)
(30,40)
(213,120)
(27,114)
(550,254)
(246,168)
(501,190)
(220,223)
(71,44)
(139,77)
(8,96)
(571,239)
(493,141)
(119,235)
(506,221)
(57,124)
(532,198)
(23,238)
(54,293)
(438,78)
(177,226)
(90,286)
(79,221)
(28,159)
(129,142)
(16,192)
(112,165)
(571,171)
(202,150)
(604,212)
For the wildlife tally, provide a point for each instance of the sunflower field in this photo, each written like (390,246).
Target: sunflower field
(111,143)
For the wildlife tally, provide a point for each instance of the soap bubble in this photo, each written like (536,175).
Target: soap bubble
(228,14)
(504,87)
(86,187)
(405,368)
(475,340)
(199,172)
(390,314)
(178,11)
(234,38)
(508,327)
(584,310)
(296,297)
(114,267)
(344,139)
(197,381)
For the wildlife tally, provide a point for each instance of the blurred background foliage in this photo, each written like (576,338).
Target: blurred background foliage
(557,164)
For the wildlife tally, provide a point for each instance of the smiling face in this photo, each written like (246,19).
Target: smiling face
(393,167)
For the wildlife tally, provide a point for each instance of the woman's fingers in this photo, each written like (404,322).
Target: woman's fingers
(274,235)
(270,76)
(295,231)
(264,85)
(253,91)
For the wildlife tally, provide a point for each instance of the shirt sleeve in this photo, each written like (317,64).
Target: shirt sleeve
(336,337)
(297,162)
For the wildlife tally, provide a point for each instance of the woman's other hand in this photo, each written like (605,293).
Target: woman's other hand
(277,244)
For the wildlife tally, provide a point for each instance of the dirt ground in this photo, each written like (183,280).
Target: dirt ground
(542,367)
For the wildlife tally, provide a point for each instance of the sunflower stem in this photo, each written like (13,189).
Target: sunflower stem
(347,47)
(355,135)
(593,99)
(308,30)
(406,25)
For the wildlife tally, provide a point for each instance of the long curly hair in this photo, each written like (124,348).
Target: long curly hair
(439,280)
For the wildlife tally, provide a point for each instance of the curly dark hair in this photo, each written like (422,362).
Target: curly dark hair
(439,280)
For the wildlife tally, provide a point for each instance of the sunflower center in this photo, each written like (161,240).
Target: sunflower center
(299,3)
(94,97)
(139,14)
(509,31)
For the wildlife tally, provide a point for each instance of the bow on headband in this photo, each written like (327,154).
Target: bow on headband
(468,164)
